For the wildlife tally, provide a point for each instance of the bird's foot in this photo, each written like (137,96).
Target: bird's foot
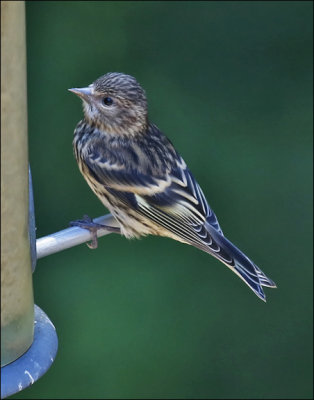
(93,227)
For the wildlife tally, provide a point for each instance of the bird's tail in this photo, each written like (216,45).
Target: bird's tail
(238,262)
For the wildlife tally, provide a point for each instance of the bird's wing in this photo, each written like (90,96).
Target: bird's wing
(183,198)
(171,199)
(175,202)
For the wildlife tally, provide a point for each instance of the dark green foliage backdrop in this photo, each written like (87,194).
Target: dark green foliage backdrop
(231,84)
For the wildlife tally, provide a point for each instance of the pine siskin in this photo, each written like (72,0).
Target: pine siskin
(139,176)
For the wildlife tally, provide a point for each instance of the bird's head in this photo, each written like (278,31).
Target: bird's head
(116,103)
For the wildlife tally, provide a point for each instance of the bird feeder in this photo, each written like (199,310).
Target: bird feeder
(28,338)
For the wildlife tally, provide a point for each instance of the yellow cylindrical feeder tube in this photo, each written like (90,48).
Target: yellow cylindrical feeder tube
(17,303)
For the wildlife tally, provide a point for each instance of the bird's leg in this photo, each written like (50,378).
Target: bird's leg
(93,227)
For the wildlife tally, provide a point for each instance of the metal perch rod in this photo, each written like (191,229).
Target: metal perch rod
(71,237)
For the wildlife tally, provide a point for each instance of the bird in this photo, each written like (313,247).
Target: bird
(139,176)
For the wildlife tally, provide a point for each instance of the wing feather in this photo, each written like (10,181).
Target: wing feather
(174,191)
(169,196)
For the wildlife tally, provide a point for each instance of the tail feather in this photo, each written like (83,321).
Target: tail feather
(239,263)
(265,281)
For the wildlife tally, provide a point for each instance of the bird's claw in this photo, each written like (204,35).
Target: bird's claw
(93,227)
(94,243)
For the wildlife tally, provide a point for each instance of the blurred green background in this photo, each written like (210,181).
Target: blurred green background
(230,83)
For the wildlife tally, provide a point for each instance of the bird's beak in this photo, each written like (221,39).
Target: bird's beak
(84,93)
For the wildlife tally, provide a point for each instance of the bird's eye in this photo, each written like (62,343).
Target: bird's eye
(107,101)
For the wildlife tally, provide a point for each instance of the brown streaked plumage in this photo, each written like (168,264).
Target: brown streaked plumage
(139,176)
